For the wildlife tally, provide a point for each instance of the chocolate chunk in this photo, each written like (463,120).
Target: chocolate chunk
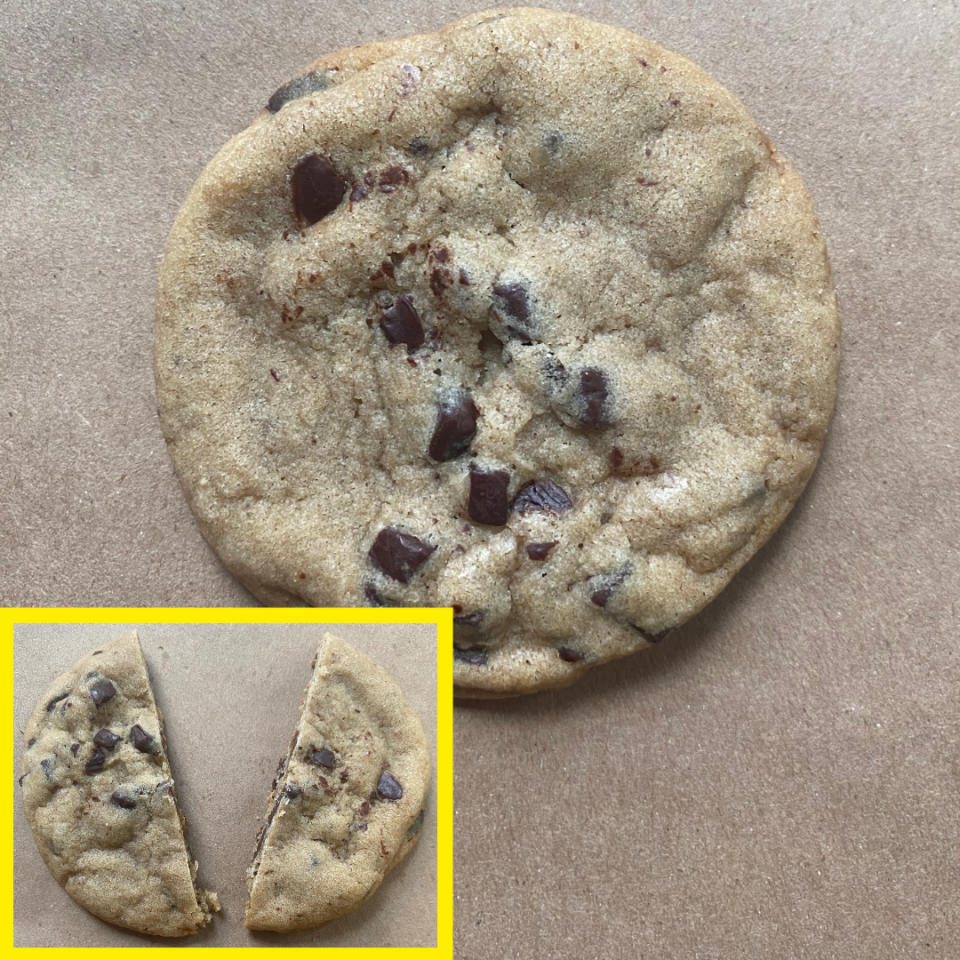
(106,739)
(399,555)
(323,758)
(591,400)
(542,495)
(473,655)
(298,87)
(122,800)
(96,761)
(46,765)
(488,501)
(388,787)
(56,700)
(648,636)
(393,177)
(102,691)
(469,619)
(364,808)
(418,146)
(142,740)
(568,655)
(31,742)
(540,551)
(605,584)
(96,653)
(401,323)
(291,792)
(317,187)
(512,303)
(74,747)
(456,425)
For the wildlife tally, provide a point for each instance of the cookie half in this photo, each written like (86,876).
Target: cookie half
(526,317)
(347,802)
(100,798)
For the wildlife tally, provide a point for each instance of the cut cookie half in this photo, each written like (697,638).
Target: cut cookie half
(99,796)
(347,801)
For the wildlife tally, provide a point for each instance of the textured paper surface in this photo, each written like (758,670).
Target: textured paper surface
(781,778)
(230,696)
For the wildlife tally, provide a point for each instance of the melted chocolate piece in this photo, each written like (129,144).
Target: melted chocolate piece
(388,787)
(291,792)
(106,739)
(323,758)
(540,551)
(317,187)
(569,655)
(512,303)
(56,700)
(543,496)
(298,87)
(456,426)
(605,584)
(393,177)
(74,747)
(399,555)
(472,655)
(122,800)
(102,691)
(96,762)
(488,501)
(402,324)
(591,400)
(141,739)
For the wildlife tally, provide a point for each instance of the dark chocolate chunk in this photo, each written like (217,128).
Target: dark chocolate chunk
(540,551)
(96,653)
(393,177)
(399,555)
(142,740)
(512,303)
(472,655)
(488,501)
(298,87)
(291,792)
(388,787)
(74,747)
(456,425)
(401,323)
(96,761)
(123,800)
(591,400)
(419,146)
(104,738)
(568,655)
(542,495)
(46,765)
(469,619)
(604,584)
(102,691)
(364,808)
(648,636)
(323,758)
(31,742)
(56,700)
(317,187)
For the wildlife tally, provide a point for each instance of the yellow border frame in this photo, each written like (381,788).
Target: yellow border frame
(441,617)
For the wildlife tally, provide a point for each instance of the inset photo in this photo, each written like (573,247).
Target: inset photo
(228,785)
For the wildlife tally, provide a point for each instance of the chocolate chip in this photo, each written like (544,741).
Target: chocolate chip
(591,400)
(364,808)
(568,655)
(31,742)
(542,496)
(96,761)
(418,146)
(472,655)
(56,700)
(388,787)
(142,740)
(47,765)
(102,691)
(399,555)
(106,739)
(393,177)
(605,584)
(312,82)
(317,187)
(74,747)
(291,792)
(469,619)
(648,636)
(96,653)
(323,758)
(122,800)
(401,323)
(512,303)
(456,425)
(488,501)
(540,551)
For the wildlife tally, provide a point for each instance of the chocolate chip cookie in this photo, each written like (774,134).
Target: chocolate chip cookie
(526,317)
(99,796)
(347,800)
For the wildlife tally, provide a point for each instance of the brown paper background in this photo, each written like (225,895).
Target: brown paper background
(230,696)
(781,778)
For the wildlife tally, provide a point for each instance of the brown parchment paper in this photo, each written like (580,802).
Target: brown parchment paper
(781,778)
(230,697)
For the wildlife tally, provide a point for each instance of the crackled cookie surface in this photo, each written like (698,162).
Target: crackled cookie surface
(527,317)
(99,797)
(347,801)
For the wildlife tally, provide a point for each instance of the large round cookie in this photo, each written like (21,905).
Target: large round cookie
(526,316)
